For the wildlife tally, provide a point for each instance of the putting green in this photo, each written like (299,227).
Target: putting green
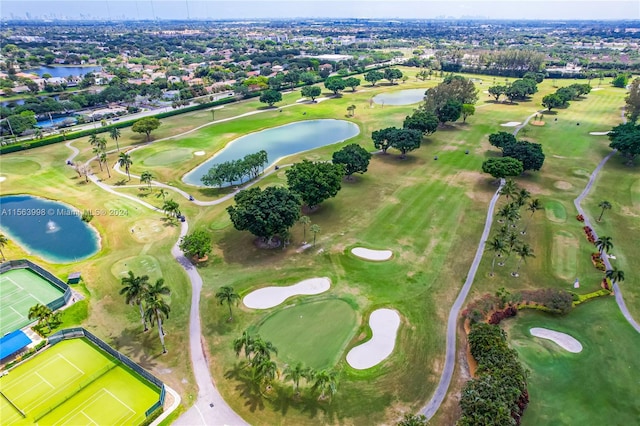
(19,166)
(564,255)
(140,265)
(168,157)
(314,333)
(555,211)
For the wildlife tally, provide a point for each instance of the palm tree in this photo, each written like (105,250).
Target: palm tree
(261,350)
(605,205)
(498,246)
(146,177)
(93,138)
(512,242)
(615,275)
(157,308)
(604,244)
(244,342)
(304,220)
(102,158)
(171,207)
(3,242)
(228,296)
(162,194)
(522,196)
(326,380)
(135,291)
(264,371)
(315,229)
(97,151)
(294,374)
(523,251)
(42,313)
(114,134)
(534,206)
(124,160)
(509,189)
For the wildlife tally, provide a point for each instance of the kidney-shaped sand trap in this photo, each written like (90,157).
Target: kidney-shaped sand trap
(369,254)
(563,340)
(511,124)
(199,153)
(269,297)
(384,325)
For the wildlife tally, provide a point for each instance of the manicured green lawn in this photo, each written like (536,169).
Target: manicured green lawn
(314,333)
(597,386)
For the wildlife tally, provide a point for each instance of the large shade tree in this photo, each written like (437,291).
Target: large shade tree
(315,182)
(197,244)
(502,167)
(626,139)
(146,125)
(354,158)
(424,121)
(265,213)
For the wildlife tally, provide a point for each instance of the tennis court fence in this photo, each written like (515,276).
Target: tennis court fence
(43,273)
(79,332)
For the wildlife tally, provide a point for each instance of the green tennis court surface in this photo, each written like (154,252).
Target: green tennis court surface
(74,383)
(20,289)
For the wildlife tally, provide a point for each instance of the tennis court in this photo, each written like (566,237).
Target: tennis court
(20,289)
(72,383)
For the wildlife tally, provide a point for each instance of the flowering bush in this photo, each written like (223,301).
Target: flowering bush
(596,258)
(589,233)
(580,218)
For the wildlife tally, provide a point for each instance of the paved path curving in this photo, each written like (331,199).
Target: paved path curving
(450,357)
(616,288)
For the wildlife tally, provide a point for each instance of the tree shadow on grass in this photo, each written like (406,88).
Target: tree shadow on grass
(135,343)
(247,388)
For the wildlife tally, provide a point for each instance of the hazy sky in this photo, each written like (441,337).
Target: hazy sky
(215,9)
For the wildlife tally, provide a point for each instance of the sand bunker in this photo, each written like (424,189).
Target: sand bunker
(597,88)
(511,124)
(269,297)
(368,254)
(198,153)
(384,325)
(2,178)
(598,133)
(563,340)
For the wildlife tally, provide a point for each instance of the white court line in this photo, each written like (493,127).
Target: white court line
(88,417)
(15,283)
(72,364)
(12,308)
(79,409)
(44,380)
(119,400)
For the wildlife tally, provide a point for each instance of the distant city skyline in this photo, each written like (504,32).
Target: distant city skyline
(265,9)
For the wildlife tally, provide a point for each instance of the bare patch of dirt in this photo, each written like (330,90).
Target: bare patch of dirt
(560,184)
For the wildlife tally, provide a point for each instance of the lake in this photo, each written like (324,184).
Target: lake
(49,229)
(402,97)
(63,71)
(279,142)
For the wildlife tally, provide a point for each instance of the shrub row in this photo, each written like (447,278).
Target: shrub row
(498,394)
(596,259)
(589,233)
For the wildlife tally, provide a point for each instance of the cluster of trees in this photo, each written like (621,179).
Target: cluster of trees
(563,95)
(498,394)
(519,90)
(626,139)
(273,211)
(337,84)
(451,99)
(527,156)
(150,300)
(507,240)
(390,74)
(99,144)
(45,316)
(236,170)
(262,370)
(632,101)
(404,140)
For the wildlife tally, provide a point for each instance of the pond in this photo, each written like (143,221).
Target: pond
(63,71)
(402,97)
(279,142)
(49,229)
